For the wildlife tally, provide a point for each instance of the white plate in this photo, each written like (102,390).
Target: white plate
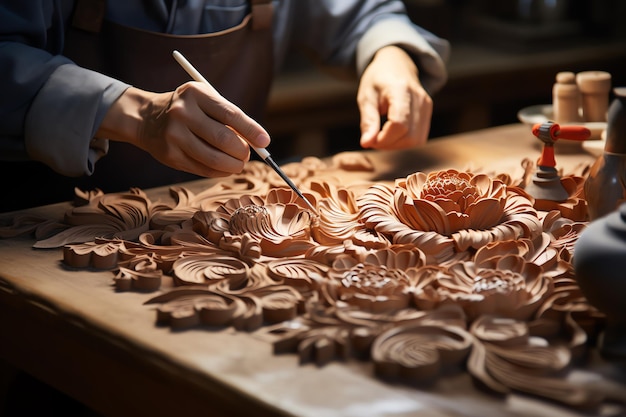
(535,114)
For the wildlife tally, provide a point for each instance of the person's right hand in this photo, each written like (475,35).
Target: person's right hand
(192,129)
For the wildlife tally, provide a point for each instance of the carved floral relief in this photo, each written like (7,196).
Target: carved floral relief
(434,271)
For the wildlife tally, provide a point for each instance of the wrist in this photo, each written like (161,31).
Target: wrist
(123,120)
(397,55)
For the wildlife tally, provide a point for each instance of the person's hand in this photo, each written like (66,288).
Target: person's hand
(192,129)
(390,87)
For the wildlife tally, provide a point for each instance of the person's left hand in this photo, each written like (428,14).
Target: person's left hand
(390,87)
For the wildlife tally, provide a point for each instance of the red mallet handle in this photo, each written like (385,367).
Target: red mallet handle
(572,132)
(550,132)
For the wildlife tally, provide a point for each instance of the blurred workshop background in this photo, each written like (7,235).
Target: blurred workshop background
(505,56)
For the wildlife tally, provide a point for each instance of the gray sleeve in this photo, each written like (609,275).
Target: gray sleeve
(429,52)
(347,34)
(64,116)
(49,107)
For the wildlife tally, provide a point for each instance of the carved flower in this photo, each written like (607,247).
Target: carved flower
(188,202)
(123,216)
(563,231)
(281,230)
(506,285)
(447,211)
(539,251)
(338,218)
(379,283)
(463,200)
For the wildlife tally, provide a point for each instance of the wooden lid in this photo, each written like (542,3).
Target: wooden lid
(566,77)
(594,81)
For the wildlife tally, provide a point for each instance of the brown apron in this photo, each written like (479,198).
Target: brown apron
(228,60)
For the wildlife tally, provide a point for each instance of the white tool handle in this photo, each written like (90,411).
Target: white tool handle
(195,74)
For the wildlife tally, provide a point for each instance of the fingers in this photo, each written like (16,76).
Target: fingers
(407,120)
(221,126)
(421,124)
(390,87)
(180,146)
(209,163)
(226,153)
(210,133)
(370,119)
(228,114)
(399,116)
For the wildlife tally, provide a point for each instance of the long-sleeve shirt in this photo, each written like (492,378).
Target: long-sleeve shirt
(51,108)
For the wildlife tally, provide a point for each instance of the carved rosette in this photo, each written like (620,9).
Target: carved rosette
(380,282)
(280,229)
(446,212)
(508,286)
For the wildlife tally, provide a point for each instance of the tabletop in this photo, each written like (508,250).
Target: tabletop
(72,329)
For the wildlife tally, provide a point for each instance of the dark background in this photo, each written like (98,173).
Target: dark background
(505,55)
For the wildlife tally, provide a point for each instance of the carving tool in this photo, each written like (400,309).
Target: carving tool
(262,152)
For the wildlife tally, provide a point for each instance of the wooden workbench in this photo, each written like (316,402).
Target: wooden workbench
(71,329)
